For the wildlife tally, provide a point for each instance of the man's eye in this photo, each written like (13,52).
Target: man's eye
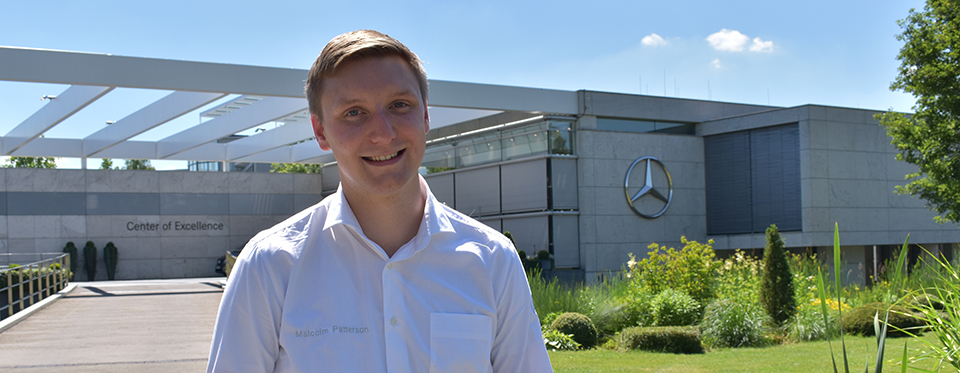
(353,113)
(399,104)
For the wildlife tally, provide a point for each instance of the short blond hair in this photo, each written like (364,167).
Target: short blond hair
(353,46)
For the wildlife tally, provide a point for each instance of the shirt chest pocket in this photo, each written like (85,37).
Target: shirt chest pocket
(460,343)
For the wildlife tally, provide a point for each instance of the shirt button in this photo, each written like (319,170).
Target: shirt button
(393,321)
(390,266)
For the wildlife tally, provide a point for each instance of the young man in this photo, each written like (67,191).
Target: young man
(380,276)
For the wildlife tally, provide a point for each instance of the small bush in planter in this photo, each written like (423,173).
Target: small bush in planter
(90,260)
(74,258)
(579,326)
(860,320)
(110,259)
(557,341)
(673,339)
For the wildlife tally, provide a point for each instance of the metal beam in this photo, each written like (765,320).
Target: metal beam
(266,110)
(62,107)
(502,98)
(161,111)
(275,138)
(63,67)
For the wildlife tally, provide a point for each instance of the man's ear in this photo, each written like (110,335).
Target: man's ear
(318,132)
(426,118)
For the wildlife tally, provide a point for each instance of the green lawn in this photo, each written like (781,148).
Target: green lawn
(801,357)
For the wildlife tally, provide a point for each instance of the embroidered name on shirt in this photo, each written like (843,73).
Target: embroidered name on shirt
(307,333)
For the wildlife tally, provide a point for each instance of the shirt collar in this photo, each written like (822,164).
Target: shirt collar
(434,220)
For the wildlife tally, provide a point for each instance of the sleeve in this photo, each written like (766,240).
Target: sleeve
(518,344)
(246,335)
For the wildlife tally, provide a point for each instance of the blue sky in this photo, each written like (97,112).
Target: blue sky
(838,53)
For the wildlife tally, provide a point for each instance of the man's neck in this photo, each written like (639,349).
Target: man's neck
(389,220)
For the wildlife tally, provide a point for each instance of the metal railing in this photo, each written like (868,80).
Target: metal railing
(22,286)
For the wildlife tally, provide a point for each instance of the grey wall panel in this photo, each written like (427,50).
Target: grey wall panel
(3,203)
(123,204)
(531,234)
(194,204)
(261,204)
(442,187)
(41,203)
(728,186)
(478,191)
(566,241)
(563,183)
(524,186)
(775,165)
(302,201)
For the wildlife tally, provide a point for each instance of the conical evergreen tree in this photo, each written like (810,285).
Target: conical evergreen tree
(776,286)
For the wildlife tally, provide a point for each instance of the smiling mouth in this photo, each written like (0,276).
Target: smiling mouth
(384,157)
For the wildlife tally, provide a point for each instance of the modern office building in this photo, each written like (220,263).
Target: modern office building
(589,176)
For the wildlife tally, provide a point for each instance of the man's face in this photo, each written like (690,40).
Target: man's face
(375,122)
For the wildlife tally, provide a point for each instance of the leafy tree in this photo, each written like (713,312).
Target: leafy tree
(137,164)
(776,283)
(31,162)
(107,164)
(930,70)
(298,168)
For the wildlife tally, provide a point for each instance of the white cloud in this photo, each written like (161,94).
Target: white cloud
(715,63)
(728,40)
(653,40)
(761,46)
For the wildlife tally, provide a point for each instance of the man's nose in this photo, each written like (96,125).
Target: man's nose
(382,127)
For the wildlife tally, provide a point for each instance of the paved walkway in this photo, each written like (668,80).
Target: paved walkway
(118,326)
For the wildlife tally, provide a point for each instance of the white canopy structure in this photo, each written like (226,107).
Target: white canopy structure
(254,95)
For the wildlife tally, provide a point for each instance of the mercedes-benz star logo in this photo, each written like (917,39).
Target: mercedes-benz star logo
(648,189)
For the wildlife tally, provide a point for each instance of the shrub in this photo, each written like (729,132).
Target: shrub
(860,319)
(110,258)
(90,260)
(74,259)
(808,323)
(678,340)
(553,296)
(776,286)
(691,270)
(555,340)
(578,326)
(738,277)
(674,308)
(727,323)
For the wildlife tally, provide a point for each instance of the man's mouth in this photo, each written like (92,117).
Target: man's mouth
(382,158)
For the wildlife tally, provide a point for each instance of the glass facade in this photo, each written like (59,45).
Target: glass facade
(549,136)
(631,125)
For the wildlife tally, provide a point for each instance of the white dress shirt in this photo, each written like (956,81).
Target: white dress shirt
(313,294)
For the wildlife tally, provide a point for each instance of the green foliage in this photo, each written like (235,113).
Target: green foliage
(90,260)
(859,321)
(672,339)
(674,308)
(110,257)
(728,323)
(71,249)
(808,325)
(578,326)
(738,277)
(938,307)
(776,285)
(107,164)
(691,269)
(296,168)
(638,306)
(930,71)
(551,296)
(31,162)
(433,170)
(137,164)
(554,340)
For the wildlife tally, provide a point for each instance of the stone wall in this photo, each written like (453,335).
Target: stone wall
(166,224)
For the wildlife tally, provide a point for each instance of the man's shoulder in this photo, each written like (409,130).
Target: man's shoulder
(288,234)
(474,230)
